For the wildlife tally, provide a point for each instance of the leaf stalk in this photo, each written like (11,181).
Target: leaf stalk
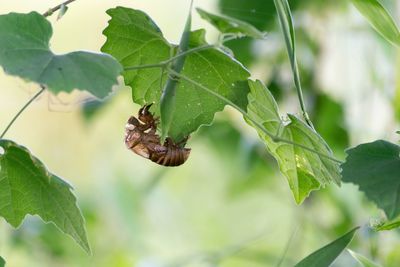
(54,9)
(22,110)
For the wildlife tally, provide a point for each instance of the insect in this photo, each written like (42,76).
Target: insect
(142,139)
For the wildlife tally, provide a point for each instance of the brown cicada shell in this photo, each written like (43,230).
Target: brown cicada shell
(141,138)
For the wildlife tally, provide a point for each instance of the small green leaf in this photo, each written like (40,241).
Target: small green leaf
(231,25)
(375,168)
(2,262)
(362,260)
(27,187)
(387,225)
(134,39)
(168,99)
(379,18)
(25,52)
(325,256)
(305,170)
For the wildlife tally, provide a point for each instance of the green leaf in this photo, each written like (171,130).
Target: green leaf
(325,256)
(362,260)
(231,25)
(25,52)
(375,168)
(379,18)
(168,99)
(304,169)
(27,187)
(2,262)
(387,225)
(134,39)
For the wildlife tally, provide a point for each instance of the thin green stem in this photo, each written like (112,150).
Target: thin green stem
(146,66)
(22,110)
(287,246)
(273,137)
(54,9)
(190,51)
(286,21)
(166,62)
(171,59)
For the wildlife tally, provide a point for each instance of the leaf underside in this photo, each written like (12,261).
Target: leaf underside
(26,187)
(304,170)
(25,52)
(375,168)
(134,39)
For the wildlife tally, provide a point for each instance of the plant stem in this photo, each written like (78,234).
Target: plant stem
(258,125)
(166,62)
(54,9)
(287,246)
(146,66)
(286,22)
(22,110)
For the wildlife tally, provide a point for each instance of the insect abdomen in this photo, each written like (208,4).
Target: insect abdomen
(174,156)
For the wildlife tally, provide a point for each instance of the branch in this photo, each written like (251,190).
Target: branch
(22,110)
(54,9)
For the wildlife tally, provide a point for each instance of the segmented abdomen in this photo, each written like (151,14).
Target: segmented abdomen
(174,156)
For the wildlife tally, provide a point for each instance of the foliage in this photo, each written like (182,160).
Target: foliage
(304,169)
(132,38)
(187,85)
(325,256)
(375,168)
(27,187)
(168,99)
(231,25)
(379,18)
(362,260)
(25,52)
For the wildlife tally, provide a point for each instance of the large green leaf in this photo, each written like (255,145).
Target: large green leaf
(25,52)
(362,260)
(134,39)
(379,18)
(27,187)
(304,169)
(2,262)
(375,168)
(231,25)
(325,256)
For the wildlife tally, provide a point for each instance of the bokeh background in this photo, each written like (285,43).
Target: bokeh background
(228,205)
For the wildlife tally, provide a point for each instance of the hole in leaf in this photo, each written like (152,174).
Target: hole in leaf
(2,151)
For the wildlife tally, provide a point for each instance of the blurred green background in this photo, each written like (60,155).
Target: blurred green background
(228,205)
